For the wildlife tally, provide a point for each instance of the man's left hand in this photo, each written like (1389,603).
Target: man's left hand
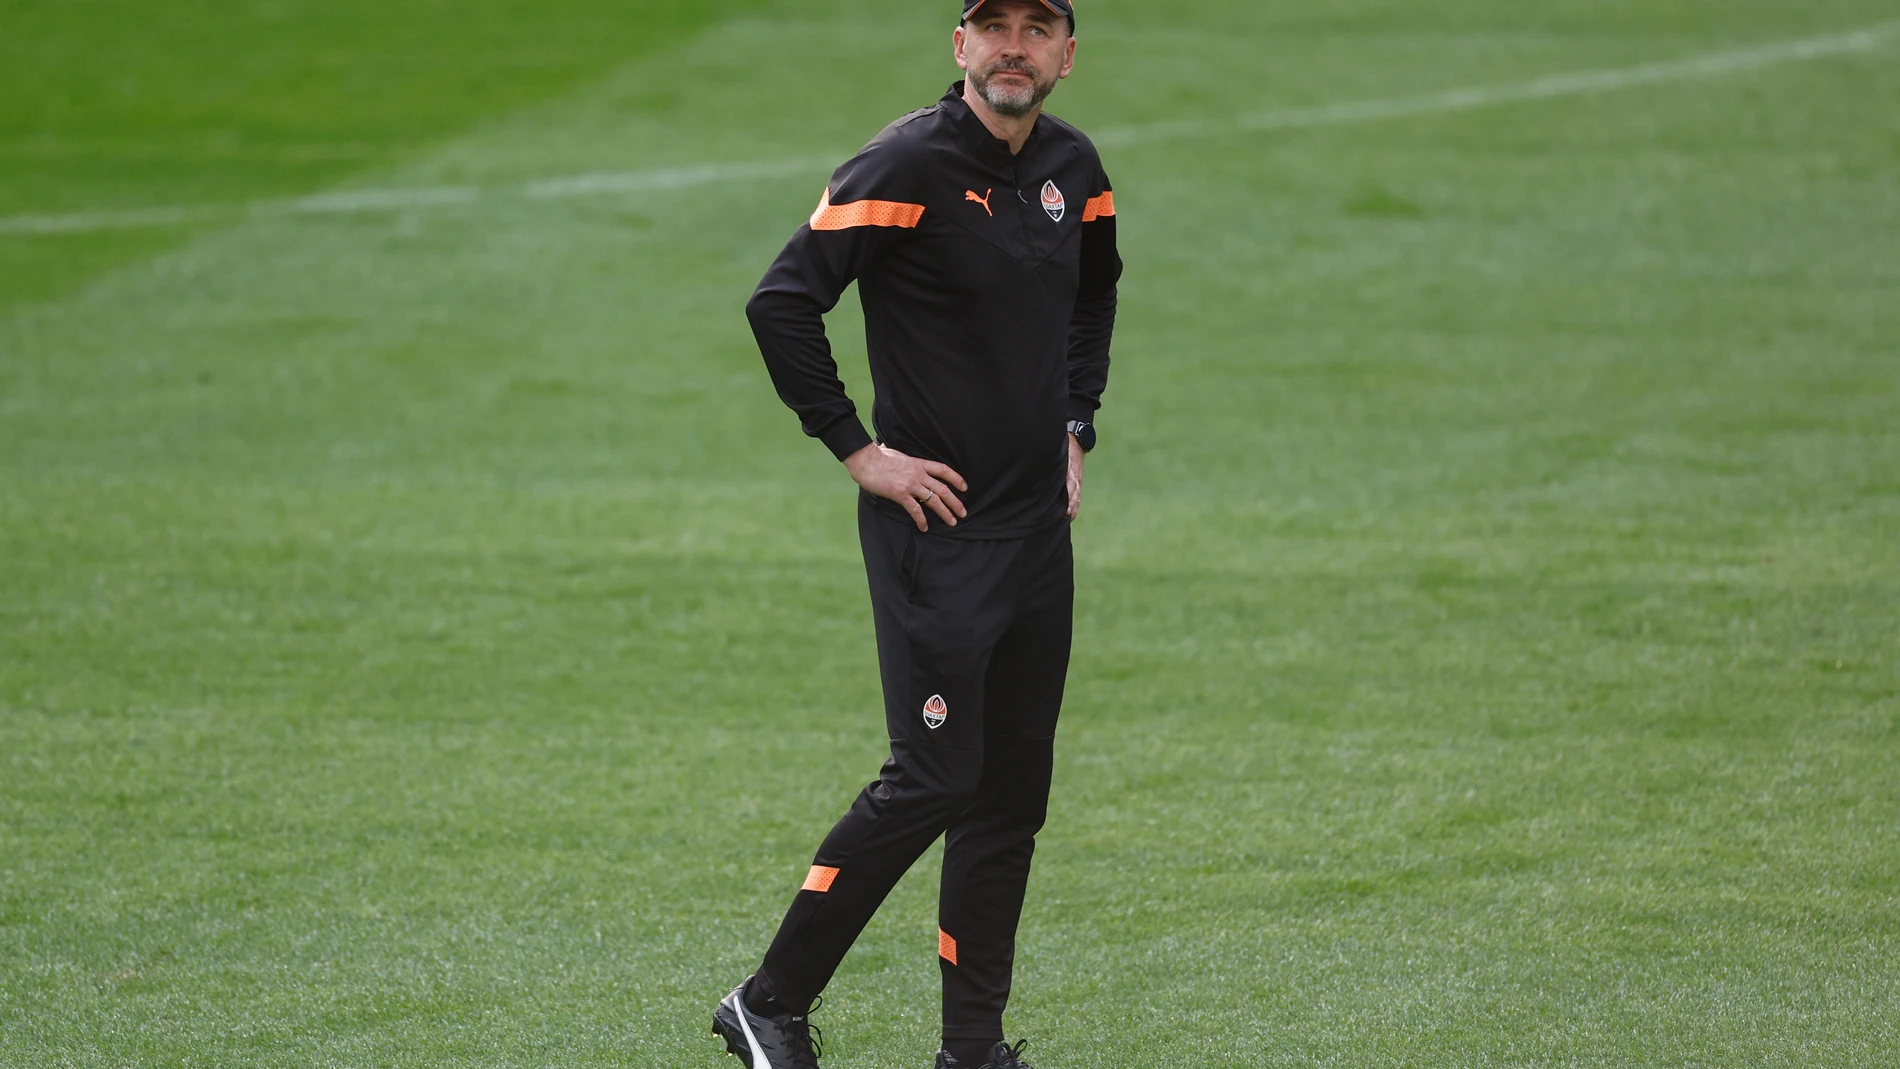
(1075,476)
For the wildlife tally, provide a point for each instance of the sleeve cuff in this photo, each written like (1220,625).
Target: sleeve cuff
(1083,408)
(845,437)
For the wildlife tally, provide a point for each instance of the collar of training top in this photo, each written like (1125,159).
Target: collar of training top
(1060,7)
(988,146)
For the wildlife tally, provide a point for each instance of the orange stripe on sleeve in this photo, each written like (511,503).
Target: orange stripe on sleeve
(831,216)
(819,879)
(1099,206)
(946,947)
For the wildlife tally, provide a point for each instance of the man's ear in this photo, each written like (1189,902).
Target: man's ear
(956,47)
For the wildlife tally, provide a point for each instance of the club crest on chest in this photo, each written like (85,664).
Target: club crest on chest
(1053,202)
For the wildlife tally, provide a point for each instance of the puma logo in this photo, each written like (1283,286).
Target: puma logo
(984,200)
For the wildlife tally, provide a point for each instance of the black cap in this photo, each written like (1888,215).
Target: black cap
(1060,7)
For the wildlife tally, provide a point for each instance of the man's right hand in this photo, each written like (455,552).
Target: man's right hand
(910,482)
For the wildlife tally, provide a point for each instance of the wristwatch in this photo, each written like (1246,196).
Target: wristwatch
(1084,434)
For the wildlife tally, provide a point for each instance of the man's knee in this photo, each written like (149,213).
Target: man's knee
(947,780)
(1017,772)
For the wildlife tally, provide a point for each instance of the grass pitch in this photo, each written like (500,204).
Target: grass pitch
(424,640)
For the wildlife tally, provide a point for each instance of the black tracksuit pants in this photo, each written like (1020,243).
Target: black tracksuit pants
(973,644)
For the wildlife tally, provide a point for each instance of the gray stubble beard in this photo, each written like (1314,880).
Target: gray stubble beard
(1011,103)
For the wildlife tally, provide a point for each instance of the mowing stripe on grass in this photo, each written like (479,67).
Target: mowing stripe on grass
(1578,83)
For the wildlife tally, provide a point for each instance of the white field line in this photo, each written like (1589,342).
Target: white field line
(1579,83)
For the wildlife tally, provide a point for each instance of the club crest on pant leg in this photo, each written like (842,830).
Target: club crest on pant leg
(935,711)
(1052,201)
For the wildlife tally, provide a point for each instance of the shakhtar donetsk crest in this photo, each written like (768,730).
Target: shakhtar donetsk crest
(1052,201)
(935,711)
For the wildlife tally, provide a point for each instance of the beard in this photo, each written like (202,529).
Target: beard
(1011,98)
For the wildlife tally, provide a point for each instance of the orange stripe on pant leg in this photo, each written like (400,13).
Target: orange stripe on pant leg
(946,947)
(831,216)
(819,879)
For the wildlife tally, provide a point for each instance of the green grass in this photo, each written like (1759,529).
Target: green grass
(109,104)
(424,640)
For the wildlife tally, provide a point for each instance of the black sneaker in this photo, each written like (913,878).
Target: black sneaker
(784,1042)
(1002,1056)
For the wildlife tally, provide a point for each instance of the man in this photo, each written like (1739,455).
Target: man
(981,234)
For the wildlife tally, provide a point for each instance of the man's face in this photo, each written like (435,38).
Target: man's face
(1015,51)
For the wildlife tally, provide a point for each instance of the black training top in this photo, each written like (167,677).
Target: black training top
(988,286)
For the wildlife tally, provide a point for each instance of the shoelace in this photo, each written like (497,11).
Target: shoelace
(807,1040)
(1014,1057)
